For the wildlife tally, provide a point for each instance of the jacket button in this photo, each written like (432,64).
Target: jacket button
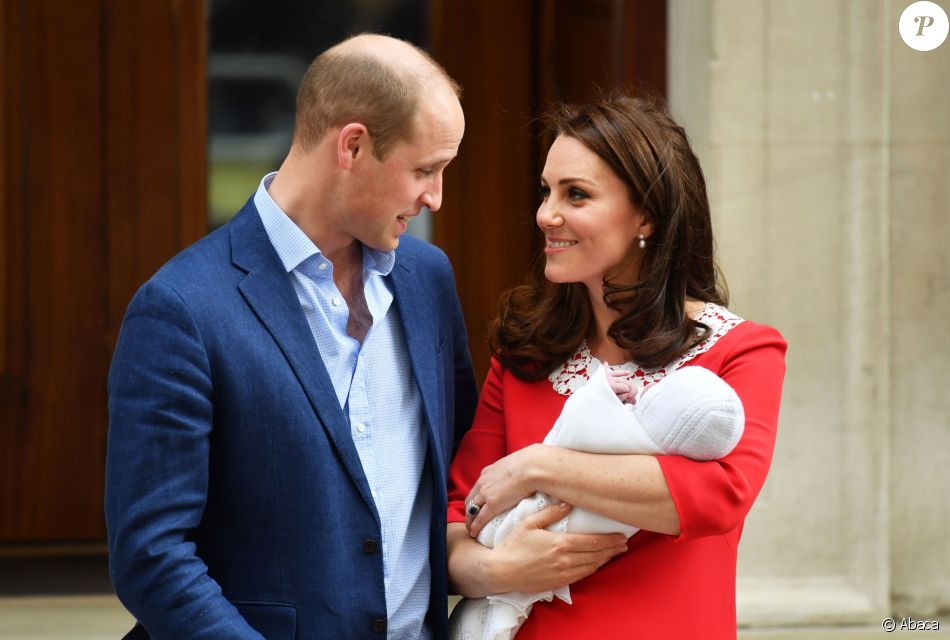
(369,547)
(378,626)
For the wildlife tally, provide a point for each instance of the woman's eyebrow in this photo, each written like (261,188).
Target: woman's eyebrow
(569,180)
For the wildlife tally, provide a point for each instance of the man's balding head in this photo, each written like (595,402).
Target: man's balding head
(375,80)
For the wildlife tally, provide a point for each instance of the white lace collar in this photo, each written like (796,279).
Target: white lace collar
(573,373)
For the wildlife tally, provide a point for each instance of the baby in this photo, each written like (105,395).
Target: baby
(691,412)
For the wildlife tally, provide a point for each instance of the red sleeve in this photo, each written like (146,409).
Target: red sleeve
(714,497)
(484,443)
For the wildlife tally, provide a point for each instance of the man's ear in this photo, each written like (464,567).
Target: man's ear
(352,143)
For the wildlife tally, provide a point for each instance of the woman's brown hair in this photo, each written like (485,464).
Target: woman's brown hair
(540,324)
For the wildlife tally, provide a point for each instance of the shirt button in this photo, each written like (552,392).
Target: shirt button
(370,546)
(336,302)
(378,626)
(361,427)
(322,266)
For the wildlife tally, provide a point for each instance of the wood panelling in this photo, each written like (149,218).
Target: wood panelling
(641,31)
(487,215)
(103,167)
(590,45)
(513,59)
(4,124)
(11,385)
(155,146)
(56,245)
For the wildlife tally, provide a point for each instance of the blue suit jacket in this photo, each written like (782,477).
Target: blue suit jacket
(236,503)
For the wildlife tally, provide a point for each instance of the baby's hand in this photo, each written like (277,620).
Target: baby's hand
(625,389)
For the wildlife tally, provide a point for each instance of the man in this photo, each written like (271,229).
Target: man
(286,394)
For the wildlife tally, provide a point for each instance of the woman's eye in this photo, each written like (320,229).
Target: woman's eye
(576,194)
(544,191)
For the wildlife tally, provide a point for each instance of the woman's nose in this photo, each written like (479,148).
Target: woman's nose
(548,215)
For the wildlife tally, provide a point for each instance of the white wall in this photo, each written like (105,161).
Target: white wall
(826,146)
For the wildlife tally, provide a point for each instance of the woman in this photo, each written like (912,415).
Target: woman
(629,279)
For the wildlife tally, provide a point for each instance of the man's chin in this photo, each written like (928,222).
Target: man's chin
(387,245)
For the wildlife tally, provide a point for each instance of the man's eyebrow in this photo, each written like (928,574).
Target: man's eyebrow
(438,161)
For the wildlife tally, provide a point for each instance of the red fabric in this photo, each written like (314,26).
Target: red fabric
(664,586)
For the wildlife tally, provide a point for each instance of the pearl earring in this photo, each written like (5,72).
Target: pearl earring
(643,242)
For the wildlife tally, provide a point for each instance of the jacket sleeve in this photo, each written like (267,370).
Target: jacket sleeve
(484,443)
(160,412)
(714,497)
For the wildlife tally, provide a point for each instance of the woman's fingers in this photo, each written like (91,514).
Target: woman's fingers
(475,519)
(499,487)
(547,516)
(535,559)
(580,555)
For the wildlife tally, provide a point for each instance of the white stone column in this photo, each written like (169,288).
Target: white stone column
(919,290)
(825,145)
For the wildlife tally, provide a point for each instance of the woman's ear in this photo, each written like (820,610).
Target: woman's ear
(647,226)
(351,144)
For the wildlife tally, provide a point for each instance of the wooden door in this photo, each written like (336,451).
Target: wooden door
(102,171)
(513,59)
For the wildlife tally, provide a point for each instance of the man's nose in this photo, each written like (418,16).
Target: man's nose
(432,197)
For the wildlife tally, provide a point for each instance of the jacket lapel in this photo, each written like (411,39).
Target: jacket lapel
(421,331)
(269,292)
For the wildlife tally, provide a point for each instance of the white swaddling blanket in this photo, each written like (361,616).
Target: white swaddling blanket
(691,412)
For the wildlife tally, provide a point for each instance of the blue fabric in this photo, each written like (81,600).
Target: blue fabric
(236,501)
(374,386)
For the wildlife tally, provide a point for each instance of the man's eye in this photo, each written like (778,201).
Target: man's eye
(576,194)
(424,172)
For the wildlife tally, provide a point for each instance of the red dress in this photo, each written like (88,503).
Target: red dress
(677,587)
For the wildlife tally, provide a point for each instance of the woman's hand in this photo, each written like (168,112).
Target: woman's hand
(501,486)
(534,559)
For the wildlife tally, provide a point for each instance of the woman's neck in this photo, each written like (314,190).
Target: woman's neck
(606,350)
(602,346)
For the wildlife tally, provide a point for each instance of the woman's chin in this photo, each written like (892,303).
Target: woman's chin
(557,276)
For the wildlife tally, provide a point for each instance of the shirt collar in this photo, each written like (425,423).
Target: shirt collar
(378,262)
(293,246)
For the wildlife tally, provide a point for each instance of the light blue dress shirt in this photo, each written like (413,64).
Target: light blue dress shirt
(376,388)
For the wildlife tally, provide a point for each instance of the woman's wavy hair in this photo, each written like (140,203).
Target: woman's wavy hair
(540,324)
